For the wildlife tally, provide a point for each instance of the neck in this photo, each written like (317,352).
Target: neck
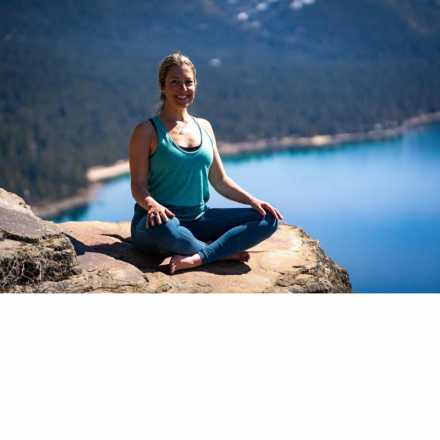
(175,114)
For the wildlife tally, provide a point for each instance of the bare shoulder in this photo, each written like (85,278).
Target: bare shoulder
(206,125)
(144,134)
(144,128)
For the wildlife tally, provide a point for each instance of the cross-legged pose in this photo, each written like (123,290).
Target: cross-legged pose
(173,157)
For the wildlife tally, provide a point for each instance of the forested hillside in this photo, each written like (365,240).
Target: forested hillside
(76,76)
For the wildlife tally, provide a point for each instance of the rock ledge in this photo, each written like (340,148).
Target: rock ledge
(39,256)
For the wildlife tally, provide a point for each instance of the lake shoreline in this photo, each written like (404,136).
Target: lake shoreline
(99,174)
(81,198)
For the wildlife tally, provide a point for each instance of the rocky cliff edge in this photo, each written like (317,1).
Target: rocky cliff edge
(39,256)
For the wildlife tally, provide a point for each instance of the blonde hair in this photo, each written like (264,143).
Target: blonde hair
(174,59)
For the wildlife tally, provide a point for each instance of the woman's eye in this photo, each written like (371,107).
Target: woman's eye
(189,83)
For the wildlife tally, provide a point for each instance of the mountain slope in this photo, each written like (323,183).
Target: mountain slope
(76,76)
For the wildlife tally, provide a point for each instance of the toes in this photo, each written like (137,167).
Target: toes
(240,256)
(172,266)
(244,256)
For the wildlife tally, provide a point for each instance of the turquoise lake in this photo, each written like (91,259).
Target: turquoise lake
(374,206)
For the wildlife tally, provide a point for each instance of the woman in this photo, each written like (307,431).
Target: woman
(172,158)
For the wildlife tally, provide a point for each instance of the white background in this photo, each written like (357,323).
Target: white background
(219,367)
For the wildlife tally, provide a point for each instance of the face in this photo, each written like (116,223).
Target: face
(180,87)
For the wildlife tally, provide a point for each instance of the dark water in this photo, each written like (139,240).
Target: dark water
(375,207)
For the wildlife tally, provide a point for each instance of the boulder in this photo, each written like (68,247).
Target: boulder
(39,256)
(31,250)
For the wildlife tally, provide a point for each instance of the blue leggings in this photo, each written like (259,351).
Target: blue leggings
(231,230)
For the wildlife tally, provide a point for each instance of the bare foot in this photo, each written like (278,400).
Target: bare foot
(239,256)
(181,262)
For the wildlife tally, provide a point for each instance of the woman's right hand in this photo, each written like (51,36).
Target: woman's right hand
(157,214)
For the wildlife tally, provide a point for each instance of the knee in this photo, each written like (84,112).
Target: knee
(155,239)
(136,226)
(166,228)
(166,232)
(270,223)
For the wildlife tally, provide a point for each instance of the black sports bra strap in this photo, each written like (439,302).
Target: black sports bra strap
(156,129)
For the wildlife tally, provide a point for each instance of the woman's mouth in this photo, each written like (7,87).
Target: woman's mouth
(182,98)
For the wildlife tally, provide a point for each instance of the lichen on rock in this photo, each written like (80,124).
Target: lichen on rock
(31,250)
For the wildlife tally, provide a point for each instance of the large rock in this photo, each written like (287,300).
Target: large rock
(289,261)
(31,250)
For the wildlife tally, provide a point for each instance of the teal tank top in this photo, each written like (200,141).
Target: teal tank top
(178,178)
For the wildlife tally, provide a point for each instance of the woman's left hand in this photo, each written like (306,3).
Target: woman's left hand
(263,208)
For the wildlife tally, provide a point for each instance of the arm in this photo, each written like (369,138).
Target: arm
(142,140)
(225,186)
